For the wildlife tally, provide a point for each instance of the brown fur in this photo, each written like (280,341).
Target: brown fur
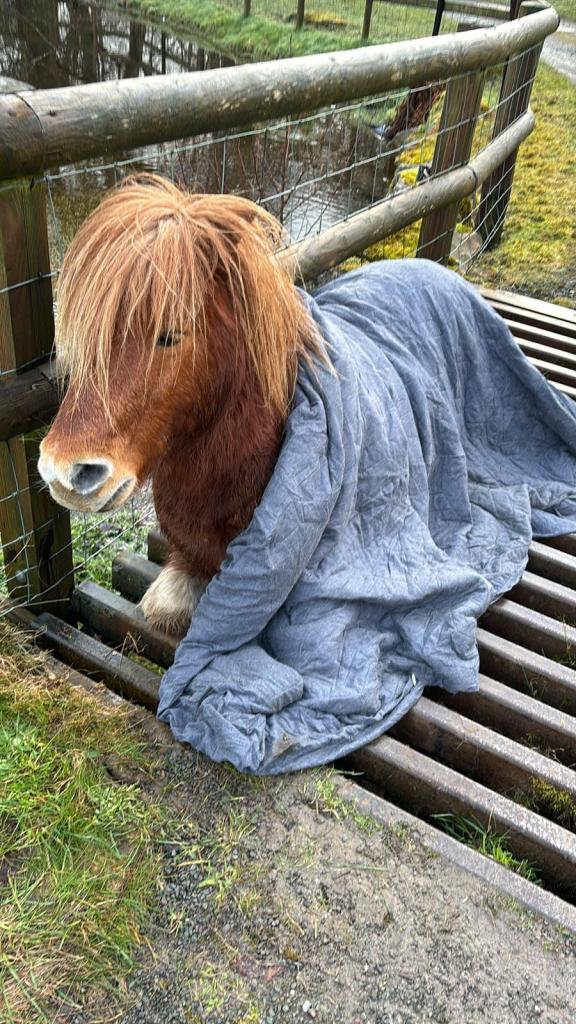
(203,419)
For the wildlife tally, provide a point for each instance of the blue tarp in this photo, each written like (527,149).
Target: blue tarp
(407,489)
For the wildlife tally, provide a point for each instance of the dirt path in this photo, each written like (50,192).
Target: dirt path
(282,903)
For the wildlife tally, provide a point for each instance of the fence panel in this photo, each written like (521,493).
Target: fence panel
(349,152)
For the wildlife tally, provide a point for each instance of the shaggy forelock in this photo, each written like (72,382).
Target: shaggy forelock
(144,262)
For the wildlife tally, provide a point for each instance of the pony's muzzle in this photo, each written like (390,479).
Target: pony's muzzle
(93,485)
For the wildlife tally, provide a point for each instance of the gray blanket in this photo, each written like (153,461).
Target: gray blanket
(405,495)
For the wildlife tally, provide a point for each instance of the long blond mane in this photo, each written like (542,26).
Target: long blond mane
(143,263)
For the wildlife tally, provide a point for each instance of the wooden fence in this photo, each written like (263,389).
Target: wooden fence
(45,129)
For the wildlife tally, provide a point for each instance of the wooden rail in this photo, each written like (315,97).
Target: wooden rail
(514,98)
(44,129)
(29,399)
(315,255)
(35,532)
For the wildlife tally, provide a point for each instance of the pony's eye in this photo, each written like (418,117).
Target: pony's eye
(167,340)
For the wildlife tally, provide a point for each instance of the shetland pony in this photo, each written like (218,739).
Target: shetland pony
(179,332)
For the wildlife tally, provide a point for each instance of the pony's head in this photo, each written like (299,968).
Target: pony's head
(170,306)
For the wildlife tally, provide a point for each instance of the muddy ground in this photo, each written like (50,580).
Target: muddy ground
(279,902)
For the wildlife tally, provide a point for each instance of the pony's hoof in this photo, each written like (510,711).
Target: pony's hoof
(170,602)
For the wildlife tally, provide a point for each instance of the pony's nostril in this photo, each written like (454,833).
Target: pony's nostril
(86,477)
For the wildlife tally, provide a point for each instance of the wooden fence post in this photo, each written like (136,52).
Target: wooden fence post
(440,5)
(247,6)
(35,532)
(300,12)
(452,149)
(515,93)
(367,18)
(163,52)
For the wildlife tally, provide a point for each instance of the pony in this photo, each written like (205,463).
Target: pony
(179,331)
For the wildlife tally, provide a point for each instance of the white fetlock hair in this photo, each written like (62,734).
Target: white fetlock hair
(170,602)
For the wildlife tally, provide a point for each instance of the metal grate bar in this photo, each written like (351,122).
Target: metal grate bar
(546,596)
(525,670)
(518,716)
(532,629)
(477,752)
(559,566)
(118,622)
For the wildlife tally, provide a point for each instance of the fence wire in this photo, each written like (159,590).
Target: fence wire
(390,21)
(310,172)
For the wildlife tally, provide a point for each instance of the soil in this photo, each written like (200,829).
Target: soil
(279,903)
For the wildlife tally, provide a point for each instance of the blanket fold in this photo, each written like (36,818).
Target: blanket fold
(408,487)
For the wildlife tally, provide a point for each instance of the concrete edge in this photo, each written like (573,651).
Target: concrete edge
(530,896)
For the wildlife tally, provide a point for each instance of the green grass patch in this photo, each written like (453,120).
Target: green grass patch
(270,31)
(95,542)
(78,850)
(327,801)
(218,855)
(566,9)
(212,988)
(472,832)
(537,254)
(556,804)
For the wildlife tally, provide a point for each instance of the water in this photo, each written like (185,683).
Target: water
(297,170)
(51,43)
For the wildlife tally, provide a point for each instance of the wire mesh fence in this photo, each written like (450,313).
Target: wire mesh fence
(387,20)
(311,171)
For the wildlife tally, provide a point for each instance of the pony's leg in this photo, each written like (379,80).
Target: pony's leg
(170,602)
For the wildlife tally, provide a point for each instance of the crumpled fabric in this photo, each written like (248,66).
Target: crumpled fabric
(408,487)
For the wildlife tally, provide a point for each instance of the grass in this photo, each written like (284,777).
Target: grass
(269,32)
(212,988)
(216,854)
(94,547)
(473,833)
(78,851)
(555,804)
(327,800)
(566,9)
